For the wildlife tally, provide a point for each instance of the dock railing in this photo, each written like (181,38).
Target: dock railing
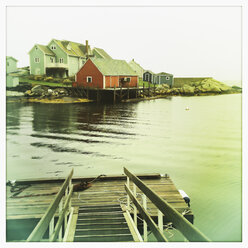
(47,221)
(190,232)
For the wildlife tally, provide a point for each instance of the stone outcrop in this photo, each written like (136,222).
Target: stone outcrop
(44,91)
(201,87)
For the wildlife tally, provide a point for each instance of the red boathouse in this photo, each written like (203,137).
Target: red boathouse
(106,73)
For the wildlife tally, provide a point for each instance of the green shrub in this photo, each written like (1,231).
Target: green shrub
(58,80)
(67,81)
(38,78)
(31,77)
(48,79)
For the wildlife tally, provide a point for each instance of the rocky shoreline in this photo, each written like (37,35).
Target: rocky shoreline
(199,88)
(46,94)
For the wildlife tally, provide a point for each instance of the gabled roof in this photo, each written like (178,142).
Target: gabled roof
(101,53)
(134,62)
(76,49)
(164,73)
(10,57)
(149,72)
(45,49)
(113,67)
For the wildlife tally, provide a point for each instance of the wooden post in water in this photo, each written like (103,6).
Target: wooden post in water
(143,90)
(154,89)
(114,95)
(121,93)
(148,89)
(128,92)
(97,95)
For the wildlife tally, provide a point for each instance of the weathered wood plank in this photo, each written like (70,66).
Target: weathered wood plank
(102,192)
(58,179)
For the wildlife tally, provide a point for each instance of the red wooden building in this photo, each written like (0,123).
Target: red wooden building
(106,73)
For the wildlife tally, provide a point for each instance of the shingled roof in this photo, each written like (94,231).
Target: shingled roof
(98,51)
(73,48)
(113,67)
(79,50)
(45,49)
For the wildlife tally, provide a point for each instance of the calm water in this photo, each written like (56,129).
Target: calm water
(200,149)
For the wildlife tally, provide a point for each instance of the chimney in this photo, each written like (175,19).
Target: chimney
(87,49)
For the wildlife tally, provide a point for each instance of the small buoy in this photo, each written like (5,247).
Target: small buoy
(187,108)
(185,197)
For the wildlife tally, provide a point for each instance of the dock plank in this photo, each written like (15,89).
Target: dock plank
(103,192)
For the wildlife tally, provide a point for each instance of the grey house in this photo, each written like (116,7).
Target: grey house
(164,78)
(11,69)
(149,76)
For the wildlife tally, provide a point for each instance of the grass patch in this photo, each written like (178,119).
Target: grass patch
(141,82)
(35,82)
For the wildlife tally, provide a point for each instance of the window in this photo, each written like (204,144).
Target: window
(36,48)
(167,78)
(52,60)
(37,60)
(53,47)
(128,79)
(61,60)
(147,77)
(89,79)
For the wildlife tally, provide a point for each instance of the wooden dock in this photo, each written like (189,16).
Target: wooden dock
(107,194)
(113,94)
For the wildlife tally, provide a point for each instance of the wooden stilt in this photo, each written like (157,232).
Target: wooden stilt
(114,100)
(121,93)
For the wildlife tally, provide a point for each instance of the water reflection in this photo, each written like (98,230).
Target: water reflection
(13,116)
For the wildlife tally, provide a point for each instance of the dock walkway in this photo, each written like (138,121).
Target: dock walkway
(97,211)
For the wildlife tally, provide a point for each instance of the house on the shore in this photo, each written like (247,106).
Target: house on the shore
(159,78)
(106,73)
(61,58)
(137,68)
(164,78)
(11,68)
(149,76)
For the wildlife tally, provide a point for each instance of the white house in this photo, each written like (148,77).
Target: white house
(11,67)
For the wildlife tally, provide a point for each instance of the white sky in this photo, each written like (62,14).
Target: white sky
(184,41)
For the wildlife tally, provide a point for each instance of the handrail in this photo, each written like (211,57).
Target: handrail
(61,217)
(180,223)
(157,233)
(43,224)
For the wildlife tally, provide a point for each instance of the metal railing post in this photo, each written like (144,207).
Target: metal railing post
(128,198)
(135,209)
(60,211)
(66,213)
(144,222)
(51,227)
(160,220)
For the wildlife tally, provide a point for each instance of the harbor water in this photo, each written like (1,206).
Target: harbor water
(196,140)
